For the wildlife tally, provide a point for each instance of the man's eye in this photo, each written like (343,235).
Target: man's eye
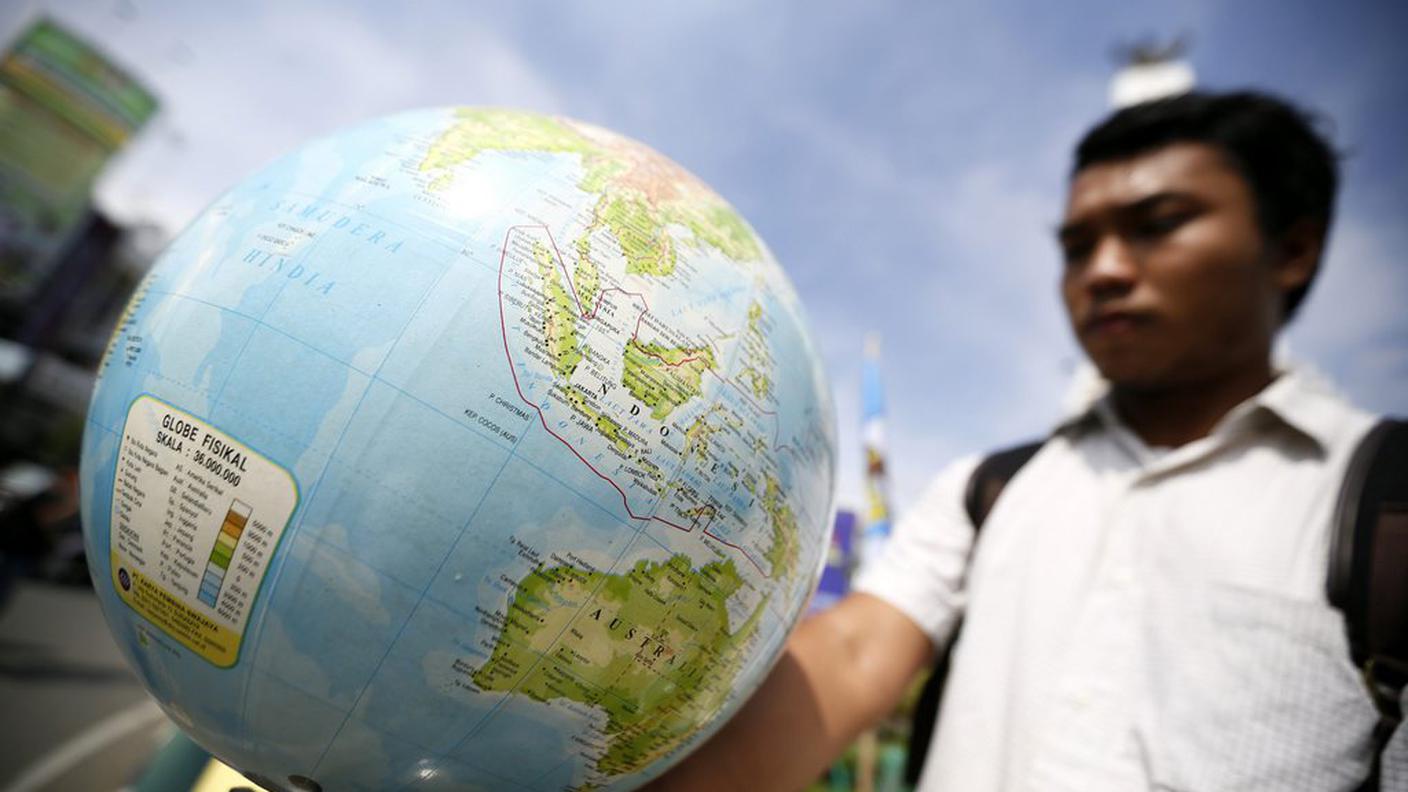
(1158,225)
(1076,251)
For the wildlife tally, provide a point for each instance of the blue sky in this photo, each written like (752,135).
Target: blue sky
(906,162)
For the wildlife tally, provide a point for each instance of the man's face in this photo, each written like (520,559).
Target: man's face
(1168,280)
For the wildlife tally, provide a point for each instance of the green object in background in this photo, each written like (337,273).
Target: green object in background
(839,779)
(891,769)
(73,80)
(65,109)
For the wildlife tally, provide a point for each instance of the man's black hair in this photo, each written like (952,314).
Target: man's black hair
(1291,168)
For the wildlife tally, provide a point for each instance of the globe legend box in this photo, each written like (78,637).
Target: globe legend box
(182,486)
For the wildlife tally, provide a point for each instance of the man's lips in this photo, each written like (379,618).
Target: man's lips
(1114,323)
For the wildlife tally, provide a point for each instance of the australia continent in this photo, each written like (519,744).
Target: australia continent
(652,648)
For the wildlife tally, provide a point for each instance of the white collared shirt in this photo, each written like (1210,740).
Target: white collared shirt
(1145,619)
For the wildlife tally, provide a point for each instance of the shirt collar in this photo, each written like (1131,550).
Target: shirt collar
(1298,397)
(1304,400)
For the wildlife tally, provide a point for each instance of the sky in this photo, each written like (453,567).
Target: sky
(905,162)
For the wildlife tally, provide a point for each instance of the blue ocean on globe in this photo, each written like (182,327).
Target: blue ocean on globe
(463,449)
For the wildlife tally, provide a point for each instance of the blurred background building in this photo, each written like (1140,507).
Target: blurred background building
(66,271)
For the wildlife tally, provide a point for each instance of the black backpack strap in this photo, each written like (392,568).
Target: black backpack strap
(990,476)
(984,485)
(1368,578)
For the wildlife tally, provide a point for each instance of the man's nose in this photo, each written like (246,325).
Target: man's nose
(1113,266)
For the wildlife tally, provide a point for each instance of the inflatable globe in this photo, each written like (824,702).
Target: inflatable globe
(465,449)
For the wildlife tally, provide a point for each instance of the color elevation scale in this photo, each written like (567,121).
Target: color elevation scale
(224,550)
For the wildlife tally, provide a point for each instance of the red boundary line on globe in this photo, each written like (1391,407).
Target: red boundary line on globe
(503,328)
(635,333)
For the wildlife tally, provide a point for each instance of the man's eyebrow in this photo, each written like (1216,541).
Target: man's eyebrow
(1073,227)
(1150,201)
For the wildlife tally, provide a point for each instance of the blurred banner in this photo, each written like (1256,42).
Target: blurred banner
(65,109)
(877,514)
(840,561)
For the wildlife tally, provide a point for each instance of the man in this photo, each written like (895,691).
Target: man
(1146,608)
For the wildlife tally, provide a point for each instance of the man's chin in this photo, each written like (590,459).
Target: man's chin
(1132,374)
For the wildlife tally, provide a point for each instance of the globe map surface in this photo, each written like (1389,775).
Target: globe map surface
(462,449)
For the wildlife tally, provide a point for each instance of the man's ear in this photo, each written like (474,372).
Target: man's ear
(1299,251)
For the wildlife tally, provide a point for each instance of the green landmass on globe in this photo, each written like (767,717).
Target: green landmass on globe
(652,647)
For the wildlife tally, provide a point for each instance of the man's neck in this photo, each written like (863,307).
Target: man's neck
(1175,415)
